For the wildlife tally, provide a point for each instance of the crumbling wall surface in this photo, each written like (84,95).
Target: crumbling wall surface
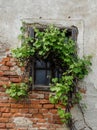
(81,14)
(34,112)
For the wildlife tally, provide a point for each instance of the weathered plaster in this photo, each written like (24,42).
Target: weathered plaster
(82,14)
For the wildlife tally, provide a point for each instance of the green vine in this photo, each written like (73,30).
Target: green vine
(17,91)
(53,45)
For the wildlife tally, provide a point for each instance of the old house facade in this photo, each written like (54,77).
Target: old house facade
(37,113)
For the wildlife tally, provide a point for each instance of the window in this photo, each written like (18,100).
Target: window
(42,71)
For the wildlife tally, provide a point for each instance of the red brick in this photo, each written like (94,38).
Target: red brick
(41,120)
(38,115)
(9,125)
(18,114)
(47,115)
(43,110)
(17,105)
(12,128)
(10,64)
(34,120)
(28,115)
(11,100)
(22,68)
(59,105)
(3,94)
(37,96)
(4,68)
(4,105)
(52,129)
(33,96)
(57,119)
(36,106)
(2,89)
(22,106)
(4,83)
(1,73)
(44,101)
(0,114)
(35,101)
(13,59)
(4,120)
(6,59)
(5,110)
(43,126)
(14,110)
(15,80)
(27,105)
(2,125)
(33,111)
(53,111)
(10,73)
(24,110)
(46,96)
(41,92)
(4,78)
(2,62)
(48,106)
(3,99)
(22,128)
(6,114)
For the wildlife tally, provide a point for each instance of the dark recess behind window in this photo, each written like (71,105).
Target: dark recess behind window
(42,71)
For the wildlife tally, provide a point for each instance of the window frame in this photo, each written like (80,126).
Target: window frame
(30,30)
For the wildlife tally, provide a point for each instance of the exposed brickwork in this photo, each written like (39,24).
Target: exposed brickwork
(36,108)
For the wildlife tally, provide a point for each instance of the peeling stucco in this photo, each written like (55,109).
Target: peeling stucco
(82,14)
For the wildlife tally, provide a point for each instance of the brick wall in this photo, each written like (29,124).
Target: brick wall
(34,113)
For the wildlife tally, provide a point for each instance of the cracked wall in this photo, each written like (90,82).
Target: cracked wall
(82,14)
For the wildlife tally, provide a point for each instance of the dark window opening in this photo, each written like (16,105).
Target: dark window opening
(43,71)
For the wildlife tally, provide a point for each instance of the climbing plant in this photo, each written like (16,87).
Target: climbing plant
(17,91)
(52,43)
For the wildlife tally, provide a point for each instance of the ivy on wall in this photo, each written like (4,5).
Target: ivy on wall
(53,44)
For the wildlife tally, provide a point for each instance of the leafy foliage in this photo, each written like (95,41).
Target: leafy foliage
(53,44)
(65,116)
(17,91)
